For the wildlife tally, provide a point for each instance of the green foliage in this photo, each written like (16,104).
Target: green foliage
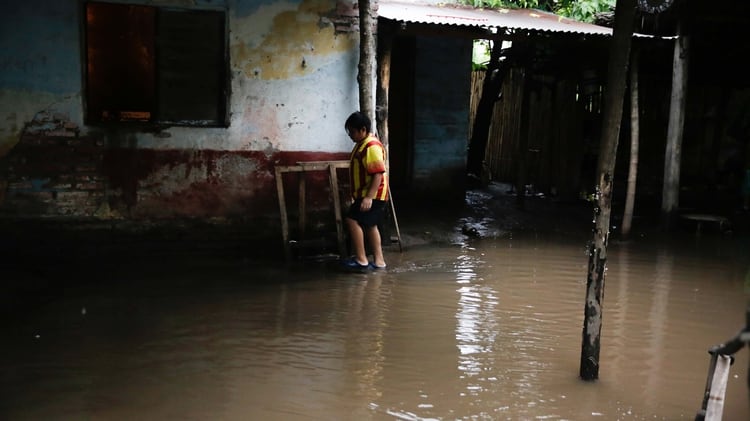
(499,4)
(478,66)
(481,54)
(585,10)
(580,10)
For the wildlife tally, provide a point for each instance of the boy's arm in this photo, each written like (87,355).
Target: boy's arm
(372,190)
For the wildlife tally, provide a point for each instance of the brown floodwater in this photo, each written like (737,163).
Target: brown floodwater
(486,329)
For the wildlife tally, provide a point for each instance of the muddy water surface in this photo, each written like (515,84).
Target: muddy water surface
(482,330)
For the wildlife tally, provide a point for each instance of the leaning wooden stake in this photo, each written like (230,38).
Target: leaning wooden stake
(395,220)
(722,356)
(716,388)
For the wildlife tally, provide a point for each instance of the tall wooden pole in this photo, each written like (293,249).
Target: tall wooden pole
(384,49)
(627,217)
(617,71)
(367,56)
(673,152)
(522,145)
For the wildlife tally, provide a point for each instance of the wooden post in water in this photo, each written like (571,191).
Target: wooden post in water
(747,335)
(522,144)
(673,152)
(612,116)
(627,217)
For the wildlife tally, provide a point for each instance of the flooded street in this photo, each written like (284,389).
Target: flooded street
(488,329)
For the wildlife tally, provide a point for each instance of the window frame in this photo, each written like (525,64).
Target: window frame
(219,95)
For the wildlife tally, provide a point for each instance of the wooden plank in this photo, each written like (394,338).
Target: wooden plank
(279,171)
(334,183)
(322,165)
(302,205)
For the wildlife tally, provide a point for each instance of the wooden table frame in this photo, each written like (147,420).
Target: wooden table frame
(302,168)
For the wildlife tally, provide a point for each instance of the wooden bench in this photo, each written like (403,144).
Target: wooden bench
(701,218)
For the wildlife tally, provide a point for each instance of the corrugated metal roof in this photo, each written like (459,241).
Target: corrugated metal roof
(452,14)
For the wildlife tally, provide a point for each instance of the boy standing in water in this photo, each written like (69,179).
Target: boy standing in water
(369,190)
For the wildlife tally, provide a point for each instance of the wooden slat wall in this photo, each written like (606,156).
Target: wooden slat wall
(554,146)
(477,79)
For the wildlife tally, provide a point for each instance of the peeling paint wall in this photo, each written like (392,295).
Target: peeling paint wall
(293,68)
(40,66)
(61,170)
(294,78)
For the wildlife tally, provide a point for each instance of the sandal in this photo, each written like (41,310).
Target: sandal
(352,263)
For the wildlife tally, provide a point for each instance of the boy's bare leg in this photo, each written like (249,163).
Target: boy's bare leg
(358,241)
(373,235)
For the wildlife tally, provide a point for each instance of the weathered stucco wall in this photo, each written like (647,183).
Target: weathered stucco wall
(293,68)
(40,64)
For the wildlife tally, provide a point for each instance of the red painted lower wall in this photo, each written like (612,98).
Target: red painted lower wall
(65,175)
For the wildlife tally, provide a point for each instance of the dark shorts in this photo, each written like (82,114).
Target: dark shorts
(368,218)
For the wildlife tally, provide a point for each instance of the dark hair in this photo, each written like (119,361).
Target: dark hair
(358,121)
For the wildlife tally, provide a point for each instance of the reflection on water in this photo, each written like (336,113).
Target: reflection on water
(487,330)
